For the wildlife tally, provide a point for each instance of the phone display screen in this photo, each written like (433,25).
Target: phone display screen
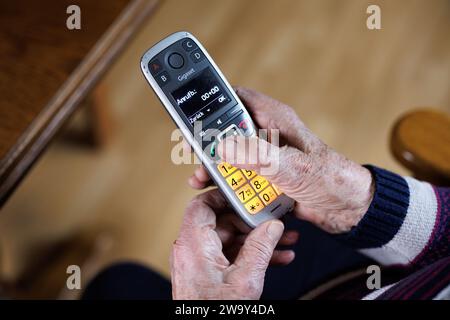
(201,96)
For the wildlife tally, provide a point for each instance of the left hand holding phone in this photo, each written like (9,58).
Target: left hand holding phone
(217,256)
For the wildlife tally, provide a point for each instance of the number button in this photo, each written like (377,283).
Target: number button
(259,183)
(268,195)
(225,169)
(245,193)
(249,174)
(236,180)
(162,79)
(278,191)
(254,206)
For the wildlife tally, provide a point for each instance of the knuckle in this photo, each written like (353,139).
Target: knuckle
(262,251)
(192,207)
(194,211)
(294,166)
(198,202)
(291,158)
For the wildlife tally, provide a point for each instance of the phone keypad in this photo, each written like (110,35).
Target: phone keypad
(236,180)
(268,195)
(249,174)
(252,190)
(245,193)
(254,205)
(259,183)
(226,169)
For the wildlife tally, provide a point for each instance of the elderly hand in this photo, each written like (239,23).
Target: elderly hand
(216,256)
(330,191)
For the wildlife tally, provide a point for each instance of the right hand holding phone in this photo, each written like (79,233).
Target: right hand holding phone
(330,190)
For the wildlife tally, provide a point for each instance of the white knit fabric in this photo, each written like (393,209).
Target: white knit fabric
(415,231)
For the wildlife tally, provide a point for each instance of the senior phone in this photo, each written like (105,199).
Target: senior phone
(204,106)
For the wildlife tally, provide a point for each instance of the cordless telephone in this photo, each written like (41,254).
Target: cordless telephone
(206,109)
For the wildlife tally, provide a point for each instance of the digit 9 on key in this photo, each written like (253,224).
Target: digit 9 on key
(196,94)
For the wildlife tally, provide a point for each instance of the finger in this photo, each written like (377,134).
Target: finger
(230,227)
(200,179)
(261,106)
(281,166)
(197,184)
(235,222)
(256,253)
(282,257)
(279,257)
(288,238)
(272,114)
(200,214)
(201,174)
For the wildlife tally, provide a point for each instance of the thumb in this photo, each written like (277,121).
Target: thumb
(279,165)
(254,256)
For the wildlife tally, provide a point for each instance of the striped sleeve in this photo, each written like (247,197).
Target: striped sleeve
(406,224)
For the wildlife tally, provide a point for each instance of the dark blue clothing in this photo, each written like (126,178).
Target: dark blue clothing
(318,257)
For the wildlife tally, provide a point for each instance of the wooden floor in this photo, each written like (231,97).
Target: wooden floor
(347,83)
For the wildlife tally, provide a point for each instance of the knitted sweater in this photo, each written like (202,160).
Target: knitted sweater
(408,226)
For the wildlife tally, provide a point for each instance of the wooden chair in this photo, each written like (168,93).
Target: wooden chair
(420,140)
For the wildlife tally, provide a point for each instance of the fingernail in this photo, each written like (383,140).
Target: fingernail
(275,229)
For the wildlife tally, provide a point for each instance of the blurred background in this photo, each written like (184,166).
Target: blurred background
(124,200)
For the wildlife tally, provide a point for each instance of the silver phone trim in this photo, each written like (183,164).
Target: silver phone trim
(251,220)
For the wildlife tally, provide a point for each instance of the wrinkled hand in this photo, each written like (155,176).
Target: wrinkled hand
(217,256)
(330,191)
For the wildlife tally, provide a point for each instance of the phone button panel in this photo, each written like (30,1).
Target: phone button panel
(176,60)
(197,56)
(259,183)
(252,190)
(245,193)
(234,112)
(236,180)
(254,205)
(249,174)
(220,121)
(226,169)
(162,79)
(228,132)
(268,195)
(189,45)
(155,67)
